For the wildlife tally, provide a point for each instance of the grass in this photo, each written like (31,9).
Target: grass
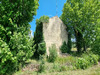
(75,49)
(95,70)
(62,66)
(67,60)
(91,71)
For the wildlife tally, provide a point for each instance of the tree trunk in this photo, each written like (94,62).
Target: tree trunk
(78,36)
(84,45)
(69,42)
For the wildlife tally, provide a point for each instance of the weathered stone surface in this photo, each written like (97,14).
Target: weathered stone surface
(54,33)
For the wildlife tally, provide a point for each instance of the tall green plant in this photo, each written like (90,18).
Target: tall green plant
(86,60)
(96,44)
(15,16)
(52,53)
(38,37)
(42,48)
(21,47)
(7,60)
(64,47)
(81,18)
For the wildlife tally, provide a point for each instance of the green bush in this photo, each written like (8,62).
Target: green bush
(64,48)
(41,48)
(7,60)
(86,60)
(81,63)
(21,47)
(52,53)
(92,59)
(17,52)
(42,64)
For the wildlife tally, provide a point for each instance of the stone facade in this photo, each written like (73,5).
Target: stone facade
(54,32)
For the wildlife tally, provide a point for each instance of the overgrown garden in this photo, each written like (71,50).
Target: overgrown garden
(82,19)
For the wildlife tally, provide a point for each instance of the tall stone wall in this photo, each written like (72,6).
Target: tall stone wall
(54,32)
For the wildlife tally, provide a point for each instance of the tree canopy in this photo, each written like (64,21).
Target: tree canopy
(15,44)
(81,18)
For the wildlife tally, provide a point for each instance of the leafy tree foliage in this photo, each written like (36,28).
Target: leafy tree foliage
(15,44)
(64,48)
(38,36)
(41,48)
(96,44)
(7,60)
(21,47)
(81,18)
(15,16)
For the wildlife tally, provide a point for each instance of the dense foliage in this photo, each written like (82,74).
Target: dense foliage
(7,60)
(41,48)
(86,60)
(21,47)
(96,44)
(15,16)
(81,18)
(52,53)
(15,43)
(96,47)
(38,36)
(64,48)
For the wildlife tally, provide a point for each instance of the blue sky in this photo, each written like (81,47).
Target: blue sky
(47,7)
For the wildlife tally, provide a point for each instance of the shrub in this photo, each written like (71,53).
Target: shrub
(21,47)
(81,63)
(64,48)
(42,64)
(92,59)
(41,48)
(86,60)
(53,53)
(7,60)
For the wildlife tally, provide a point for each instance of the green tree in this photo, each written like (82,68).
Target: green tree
(15,16)
(81,17)
(21,47)
(38,37)
(64,48)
